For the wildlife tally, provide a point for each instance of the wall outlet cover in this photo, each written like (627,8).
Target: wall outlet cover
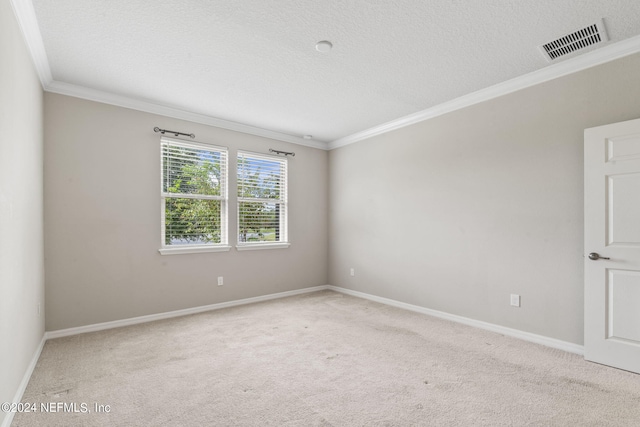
(515,300)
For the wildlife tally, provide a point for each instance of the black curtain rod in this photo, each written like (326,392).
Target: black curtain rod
(286,153)
(192,136)
(162,131)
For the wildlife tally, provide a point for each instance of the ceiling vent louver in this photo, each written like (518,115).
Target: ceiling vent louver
(587,36)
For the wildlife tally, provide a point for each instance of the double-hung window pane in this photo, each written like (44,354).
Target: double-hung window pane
(194,194)
(262,199)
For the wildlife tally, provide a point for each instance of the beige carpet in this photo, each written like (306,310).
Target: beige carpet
(322,359)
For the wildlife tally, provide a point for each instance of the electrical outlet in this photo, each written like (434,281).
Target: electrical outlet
(515,300)
(353,271)
(220,281)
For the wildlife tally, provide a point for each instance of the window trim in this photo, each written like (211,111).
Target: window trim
(284,222)
(258,246)
(193,249)
(223,246)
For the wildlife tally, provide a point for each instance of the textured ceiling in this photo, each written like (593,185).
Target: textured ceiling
(254,61)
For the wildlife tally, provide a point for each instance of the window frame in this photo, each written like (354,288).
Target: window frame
(223,246)
(283,201)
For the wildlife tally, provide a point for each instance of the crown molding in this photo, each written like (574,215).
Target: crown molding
(26,17)
(28,23)
(176,113)
(591,59)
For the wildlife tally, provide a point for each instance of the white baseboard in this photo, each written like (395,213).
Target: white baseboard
(17,398)
(527,336)
(177,313)
(538,339)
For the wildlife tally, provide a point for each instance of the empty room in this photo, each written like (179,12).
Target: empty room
(319,213)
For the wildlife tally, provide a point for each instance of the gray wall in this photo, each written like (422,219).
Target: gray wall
(102,220)
(21,247)
(457,212)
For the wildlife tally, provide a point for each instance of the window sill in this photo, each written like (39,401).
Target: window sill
(258,246)
(193,250)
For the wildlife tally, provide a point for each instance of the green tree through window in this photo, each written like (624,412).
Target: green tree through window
(193,193)
(262,199)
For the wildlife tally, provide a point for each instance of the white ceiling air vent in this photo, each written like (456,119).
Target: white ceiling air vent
(587,36)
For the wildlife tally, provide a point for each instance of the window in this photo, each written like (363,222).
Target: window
(262,201)
(194,197)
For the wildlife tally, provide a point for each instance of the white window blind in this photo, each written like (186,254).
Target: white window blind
(262,199)
(194,194)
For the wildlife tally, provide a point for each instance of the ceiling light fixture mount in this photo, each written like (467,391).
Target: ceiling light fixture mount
(324,46)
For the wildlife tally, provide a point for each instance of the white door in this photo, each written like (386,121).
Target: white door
(612,232)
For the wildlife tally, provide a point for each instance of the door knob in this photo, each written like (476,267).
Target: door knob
(595,256)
